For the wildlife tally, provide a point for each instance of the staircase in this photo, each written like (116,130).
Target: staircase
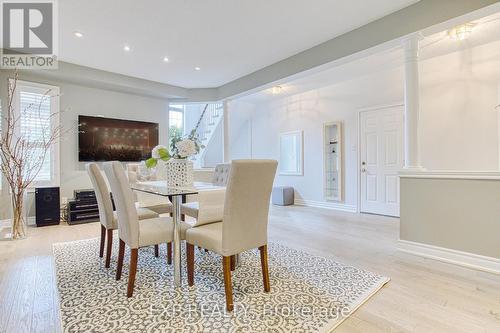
(208,123)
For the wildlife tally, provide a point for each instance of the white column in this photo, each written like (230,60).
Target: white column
(226,140)
(498,125)
(412,103)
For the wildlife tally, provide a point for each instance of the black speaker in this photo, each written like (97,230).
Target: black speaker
(47,206)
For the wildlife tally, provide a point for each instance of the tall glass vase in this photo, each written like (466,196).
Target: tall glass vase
(18,221)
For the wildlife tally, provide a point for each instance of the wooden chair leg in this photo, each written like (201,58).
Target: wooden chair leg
(121,253)
(157,251)
(169,253)
(132,270)
(109,247)
(190,263)
(103,238)
(226,265)
(233,263)
(265,268)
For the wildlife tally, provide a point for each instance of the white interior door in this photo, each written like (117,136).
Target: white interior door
(381,152)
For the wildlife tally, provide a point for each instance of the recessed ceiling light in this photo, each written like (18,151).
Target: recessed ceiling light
(126,48)
(197,68)
(165,59)
(78,34)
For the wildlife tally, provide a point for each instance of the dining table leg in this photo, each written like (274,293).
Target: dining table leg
(177,239)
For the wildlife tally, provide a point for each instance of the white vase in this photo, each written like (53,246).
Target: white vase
(179,172)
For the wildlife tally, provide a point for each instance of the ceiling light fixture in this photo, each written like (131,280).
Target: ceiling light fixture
(461,32)
(126,48)
(78,34)
(276,90)
(197,68)
(165,59)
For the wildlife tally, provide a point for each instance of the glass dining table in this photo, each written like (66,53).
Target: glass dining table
(177,195)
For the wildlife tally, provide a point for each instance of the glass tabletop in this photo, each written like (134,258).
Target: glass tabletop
(162,189)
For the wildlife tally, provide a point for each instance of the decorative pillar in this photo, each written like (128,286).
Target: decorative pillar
(412,103)
(226,154)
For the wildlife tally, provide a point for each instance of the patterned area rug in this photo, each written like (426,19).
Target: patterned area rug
(308,293)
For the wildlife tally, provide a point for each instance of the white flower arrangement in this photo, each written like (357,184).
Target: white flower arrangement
(180,149)
(156,151)
(186,148)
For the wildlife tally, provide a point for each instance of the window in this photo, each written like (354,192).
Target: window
(176,116)
(37,107)
(175,119)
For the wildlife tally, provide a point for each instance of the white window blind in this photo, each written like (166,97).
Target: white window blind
(35,124)
(38,107)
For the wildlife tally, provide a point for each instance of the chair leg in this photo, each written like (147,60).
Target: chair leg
(109,247)
(103,238)
(265,268)
(121,253)
(190,263)
(233,263)
(157,251)
(132,270)
(226,265)
(169,253)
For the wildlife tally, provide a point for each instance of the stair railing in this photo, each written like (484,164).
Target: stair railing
(206,125)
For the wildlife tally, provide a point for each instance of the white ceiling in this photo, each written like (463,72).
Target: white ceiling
(227,39)
(485,40)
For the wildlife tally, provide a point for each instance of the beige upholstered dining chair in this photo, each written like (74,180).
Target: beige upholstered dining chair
(221,174)
(209,207)
(132,233)
(244,222)
(154,203)
(107,217)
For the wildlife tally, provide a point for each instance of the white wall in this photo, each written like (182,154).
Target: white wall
(308,111)
(459,92)
(88,101)
(79,100)
(191,115)
(240,129)
(458,124)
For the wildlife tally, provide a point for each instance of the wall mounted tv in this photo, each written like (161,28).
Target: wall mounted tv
(106,139)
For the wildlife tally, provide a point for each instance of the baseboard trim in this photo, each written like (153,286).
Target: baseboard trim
(327,205)
(460,258)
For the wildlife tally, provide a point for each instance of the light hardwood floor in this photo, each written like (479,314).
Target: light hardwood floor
(422,296)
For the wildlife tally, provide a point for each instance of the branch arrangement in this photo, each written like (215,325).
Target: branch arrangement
(24,147)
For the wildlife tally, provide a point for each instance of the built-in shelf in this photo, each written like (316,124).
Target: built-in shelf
(332,138)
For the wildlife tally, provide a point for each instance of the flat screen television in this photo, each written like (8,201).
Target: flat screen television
(107,139)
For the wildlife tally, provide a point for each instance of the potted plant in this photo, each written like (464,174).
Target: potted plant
(179,169)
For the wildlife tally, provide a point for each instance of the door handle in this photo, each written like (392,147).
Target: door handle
(363,170)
